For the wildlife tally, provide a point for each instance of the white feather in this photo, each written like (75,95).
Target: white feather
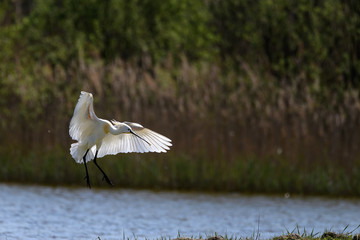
(126,143)
(100,135)
(82,123)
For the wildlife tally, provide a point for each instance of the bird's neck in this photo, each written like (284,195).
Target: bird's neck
(112,129)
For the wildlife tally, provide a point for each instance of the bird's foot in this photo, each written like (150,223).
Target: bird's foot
(107,180)
(87,181)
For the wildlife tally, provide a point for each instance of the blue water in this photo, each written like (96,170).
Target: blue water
(38,212)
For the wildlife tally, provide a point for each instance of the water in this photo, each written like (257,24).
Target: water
(36,212)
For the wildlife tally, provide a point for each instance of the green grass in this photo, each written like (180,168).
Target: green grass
(250,174)
(295,234)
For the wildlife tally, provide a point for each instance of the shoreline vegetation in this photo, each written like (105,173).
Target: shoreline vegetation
(259,97)
(327,235)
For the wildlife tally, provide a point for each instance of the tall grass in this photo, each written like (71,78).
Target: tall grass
(288,236)
(182,172)
(233,131)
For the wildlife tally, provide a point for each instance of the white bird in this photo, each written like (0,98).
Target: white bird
(98,137)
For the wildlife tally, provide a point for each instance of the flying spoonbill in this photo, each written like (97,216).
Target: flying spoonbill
(98,137)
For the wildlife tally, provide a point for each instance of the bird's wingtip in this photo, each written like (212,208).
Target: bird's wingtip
(86,93)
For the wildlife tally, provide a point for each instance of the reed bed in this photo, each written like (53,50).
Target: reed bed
(231,131)
(256,96)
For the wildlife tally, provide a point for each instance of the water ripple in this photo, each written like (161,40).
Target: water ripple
(36,212)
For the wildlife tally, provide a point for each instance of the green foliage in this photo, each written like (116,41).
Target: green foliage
(289,38)
(59,32)
(317,40)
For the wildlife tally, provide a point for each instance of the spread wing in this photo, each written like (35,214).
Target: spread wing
(126,142)
(83,120)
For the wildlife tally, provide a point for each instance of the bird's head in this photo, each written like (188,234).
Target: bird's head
(123,128)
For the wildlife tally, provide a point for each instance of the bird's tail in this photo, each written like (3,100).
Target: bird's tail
(78,151)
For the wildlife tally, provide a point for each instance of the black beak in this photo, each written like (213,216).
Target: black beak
(131,131)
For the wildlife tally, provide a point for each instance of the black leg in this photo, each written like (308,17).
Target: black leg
(105,177)
(87,173)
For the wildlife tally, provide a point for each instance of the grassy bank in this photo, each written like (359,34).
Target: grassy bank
(247,174)
(289,236)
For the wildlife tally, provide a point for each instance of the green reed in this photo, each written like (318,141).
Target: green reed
(172,171)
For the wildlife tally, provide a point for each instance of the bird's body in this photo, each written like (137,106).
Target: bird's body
(99,137)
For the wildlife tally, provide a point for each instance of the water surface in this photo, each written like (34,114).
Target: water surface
(37,212)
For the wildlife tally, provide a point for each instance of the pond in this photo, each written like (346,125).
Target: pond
(39,212)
